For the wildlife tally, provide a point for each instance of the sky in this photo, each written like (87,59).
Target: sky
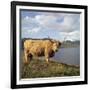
(59,26)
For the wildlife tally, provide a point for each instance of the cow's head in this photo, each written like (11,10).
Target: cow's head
(56,45)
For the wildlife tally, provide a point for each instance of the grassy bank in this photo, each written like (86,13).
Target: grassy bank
(39,68)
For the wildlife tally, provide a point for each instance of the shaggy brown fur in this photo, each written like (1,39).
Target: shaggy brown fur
(45,48)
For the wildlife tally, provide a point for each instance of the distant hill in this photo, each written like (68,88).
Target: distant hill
(67,44)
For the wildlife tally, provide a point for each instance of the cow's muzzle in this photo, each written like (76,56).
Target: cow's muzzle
(56,50)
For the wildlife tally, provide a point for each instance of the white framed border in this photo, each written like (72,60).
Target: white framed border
(51,79)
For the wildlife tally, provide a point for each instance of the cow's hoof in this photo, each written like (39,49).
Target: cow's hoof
(26,63)
(47,62)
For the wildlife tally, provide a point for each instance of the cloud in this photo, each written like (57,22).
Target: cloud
(63,23)
(27,17)
(29,23)
(75,35)
(34,30)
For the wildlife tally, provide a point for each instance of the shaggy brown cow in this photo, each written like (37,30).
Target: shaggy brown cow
(45,48)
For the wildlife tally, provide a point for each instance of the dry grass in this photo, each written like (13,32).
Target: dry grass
(39,68)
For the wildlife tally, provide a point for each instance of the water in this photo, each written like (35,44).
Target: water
(68,56)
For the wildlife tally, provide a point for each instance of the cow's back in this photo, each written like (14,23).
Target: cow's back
(32,43)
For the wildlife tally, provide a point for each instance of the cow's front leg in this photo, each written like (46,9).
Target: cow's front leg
(46,56)
(47,60)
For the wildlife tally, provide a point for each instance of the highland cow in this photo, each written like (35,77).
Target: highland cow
(40,47)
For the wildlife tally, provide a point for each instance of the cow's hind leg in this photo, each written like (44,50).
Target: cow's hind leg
(26,57)
(30,57)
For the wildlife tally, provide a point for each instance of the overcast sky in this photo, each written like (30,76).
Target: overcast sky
(55,25)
